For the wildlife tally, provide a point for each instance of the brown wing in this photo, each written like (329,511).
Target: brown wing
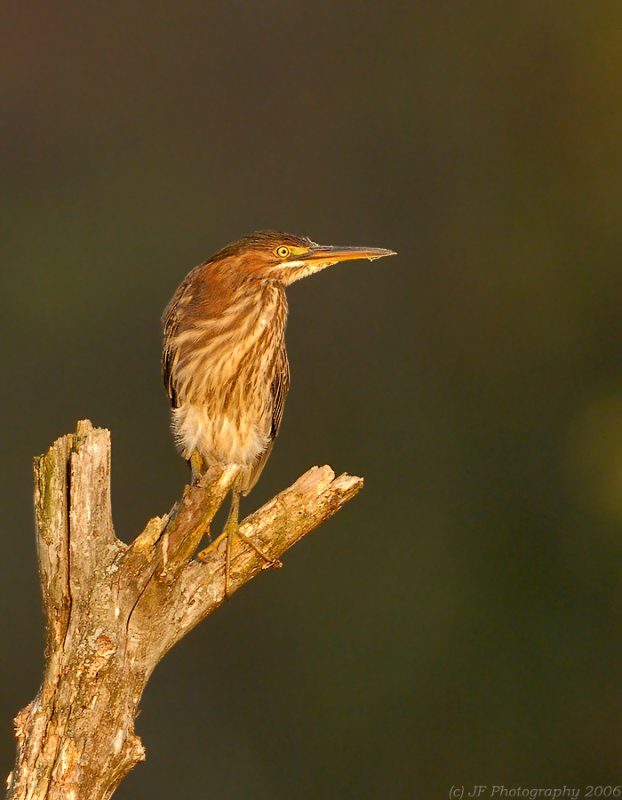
(279,389)
(171,320)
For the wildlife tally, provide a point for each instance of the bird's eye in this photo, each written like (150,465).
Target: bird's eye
(282,251)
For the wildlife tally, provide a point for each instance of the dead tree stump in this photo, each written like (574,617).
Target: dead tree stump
(113,610)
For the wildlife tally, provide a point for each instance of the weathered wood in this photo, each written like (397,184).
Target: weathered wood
(112,610)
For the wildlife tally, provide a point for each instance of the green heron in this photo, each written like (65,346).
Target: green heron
(224,361)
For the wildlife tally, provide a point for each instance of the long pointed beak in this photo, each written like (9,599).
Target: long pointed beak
(329,254)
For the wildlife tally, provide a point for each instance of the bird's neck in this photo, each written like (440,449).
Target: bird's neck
(226,309)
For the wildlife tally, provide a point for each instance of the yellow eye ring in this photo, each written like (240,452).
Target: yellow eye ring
(282,251)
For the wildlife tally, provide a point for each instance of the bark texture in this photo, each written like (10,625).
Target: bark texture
(113,610)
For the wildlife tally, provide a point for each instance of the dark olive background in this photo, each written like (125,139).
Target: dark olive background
(459,622)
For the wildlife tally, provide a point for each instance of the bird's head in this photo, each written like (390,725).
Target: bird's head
(271,255)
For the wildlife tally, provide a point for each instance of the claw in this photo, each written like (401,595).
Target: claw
(231,529)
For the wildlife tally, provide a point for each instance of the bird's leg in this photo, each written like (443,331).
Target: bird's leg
(196,465)
(231,529)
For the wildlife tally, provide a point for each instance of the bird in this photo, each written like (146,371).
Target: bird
(224,360)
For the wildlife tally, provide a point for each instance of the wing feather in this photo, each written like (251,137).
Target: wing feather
(279,389)
(171,319)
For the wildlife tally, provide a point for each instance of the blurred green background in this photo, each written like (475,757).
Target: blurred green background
(460,621)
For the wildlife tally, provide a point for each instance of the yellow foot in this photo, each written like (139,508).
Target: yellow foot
(229,532)
(273,562)
(206,551)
